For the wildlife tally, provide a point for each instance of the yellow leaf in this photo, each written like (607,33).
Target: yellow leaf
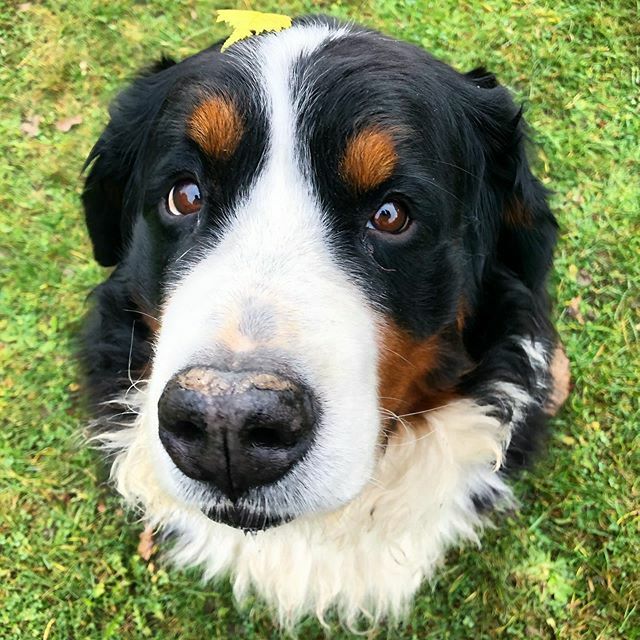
(248,23)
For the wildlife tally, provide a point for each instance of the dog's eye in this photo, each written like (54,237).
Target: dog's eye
(390,218)
(184,198)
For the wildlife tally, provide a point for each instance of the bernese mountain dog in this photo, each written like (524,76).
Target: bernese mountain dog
(326,342)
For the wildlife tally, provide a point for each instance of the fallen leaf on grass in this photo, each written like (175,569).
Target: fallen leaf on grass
(573,309)
(66,124)
(31,126)
(145,546)
(584,278)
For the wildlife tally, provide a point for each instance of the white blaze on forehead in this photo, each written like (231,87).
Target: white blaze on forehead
(278,54)
(275,249)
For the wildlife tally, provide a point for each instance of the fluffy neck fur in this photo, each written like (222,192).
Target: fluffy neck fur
(365,560)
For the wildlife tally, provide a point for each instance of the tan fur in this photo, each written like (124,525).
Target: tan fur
(216,126)
(369,159)
(516,215)
(235,340)
(461,314)
(404,363)
(561,375)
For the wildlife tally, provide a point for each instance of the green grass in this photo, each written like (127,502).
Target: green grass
(565,566)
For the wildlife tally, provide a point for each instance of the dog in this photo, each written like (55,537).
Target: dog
(326,344)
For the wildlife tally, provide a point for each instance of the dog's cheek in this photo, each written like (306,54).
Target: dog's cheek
(404,366)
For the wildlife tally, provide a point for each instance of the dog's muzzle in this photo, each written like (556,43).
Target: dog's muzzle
(235,430)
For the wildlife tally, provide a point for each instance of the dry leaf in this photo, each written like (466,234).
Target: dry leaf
(25,6)
(31,126)
(145,546)
(573,309)
(66,124)
(248,23)
(584,278)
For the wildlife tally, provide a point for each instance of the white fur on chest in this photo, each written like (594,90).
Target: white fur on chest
(367,558)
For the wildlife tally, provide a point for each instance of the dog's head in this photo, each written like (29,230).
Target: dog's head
(306,222)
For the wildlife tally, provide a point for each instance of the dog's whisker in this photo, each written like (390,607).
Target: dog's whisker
(456,166)
(143,313)
(411,442)
(133,328)
(399,419)
(419,413)
(184,254)
(395,353)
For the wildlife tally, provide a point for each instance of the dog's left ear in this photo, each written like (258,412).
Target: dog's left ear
(108,195)
(511,199)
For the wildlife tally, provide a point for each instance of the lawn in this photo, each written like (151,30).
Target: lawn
(565,566)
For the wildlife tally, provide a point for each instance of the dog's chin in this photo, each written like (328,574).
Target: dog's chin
(247,520)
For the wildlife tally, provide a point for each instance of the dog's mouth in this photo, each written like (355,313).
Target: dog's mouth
(245,518)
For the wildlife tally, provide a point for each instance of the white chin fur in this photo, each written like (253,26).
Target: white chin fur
(366,559)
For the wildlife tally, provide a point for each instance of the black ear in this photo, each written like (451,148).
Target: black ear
(528,229)
(108,196)
(511,199)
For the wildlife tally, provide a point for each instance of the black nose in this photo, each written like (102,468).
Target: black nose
(236,430)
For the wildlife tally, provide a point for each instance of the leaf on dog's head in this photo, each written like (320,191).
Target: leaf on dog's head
(248,23)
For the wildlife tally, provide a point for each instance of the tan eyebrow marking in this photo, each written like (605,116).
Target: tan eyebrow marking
(369,159)
(216,126)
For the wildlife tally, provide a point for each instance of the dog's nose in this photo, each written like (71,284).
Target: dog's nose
(236,430)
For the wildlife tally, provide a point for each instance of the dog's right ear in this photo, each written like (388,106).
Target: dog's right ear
(109,190)
(511,203)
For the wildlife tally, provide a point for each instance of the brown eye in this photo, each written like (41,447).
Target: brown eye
(184,198)
(390,218)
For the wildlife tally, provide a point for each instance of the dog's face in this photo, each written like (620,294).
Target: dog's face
(304,223)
